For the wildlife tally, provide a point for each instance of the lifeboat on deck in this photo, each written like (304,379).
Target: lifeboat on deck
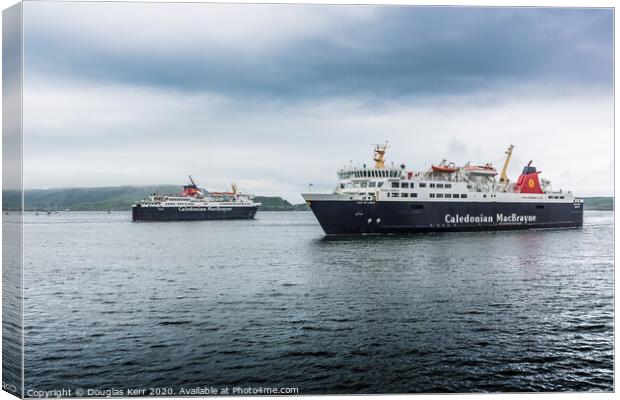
(444,167)
(486,169)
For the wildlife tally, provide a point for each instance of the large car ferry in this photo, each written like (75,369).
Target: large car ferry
(193,204)
(391,199)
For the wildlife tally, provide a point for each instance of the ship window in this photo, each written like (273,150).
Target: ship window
(411,185)
(372,184)
(432,185)
(463,196)
(414,195)
(439,195)
(417,206)
(404,195)
(440,185)
(448,195)
(432,195)
(404,185)
(484,195)
(561,197)
(364,184)
(394,184)
(380,184)
(342,186)
(422,185)
(448,185)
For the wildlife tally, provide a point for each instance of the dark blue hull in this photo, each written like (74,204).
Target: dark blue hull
(139,213)
(390,217)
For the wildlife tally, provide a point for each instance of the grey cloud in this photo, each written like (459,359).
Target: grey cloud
(395,52)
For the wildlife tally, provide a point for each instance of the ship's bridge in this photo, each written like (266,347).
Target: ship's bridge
(349,173)
(352,178)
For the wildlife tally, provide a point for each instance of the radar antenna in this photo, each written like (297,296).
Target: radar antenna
(503,177)
(379,155)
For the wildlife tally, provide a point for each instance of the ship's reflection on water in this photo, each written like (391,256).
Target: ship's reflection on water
(272,302)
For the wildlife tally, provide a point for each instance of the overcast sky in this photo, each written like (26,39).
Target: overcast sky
(276,96)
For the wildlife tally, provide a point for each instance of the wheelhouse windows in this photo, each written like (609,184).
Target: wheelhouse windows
(394,184)
(404,185)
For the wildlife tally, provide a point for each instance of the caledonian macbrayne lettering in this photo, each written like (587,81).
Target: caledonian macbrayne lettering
(488,219)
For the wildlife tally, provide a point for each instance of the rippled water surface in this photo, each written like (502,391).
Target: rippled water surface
(270,302)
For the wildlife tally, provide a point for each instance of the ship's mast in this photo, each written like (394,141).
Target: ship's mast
(503,178)
(379,155)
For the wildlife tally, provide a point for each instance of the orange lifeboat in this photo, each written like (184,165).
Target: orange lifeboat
(444,167)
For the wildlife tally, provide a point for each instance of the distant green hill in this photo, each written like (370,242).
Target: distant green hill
(115,198)
(598,203)
(279,204)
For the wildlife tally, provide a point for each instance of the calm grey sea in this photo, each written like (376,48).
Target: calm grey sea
(272,303)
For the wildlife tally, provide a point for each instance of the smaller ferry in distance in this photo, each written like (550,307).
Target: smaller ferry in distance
(193,204)
(390,199)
